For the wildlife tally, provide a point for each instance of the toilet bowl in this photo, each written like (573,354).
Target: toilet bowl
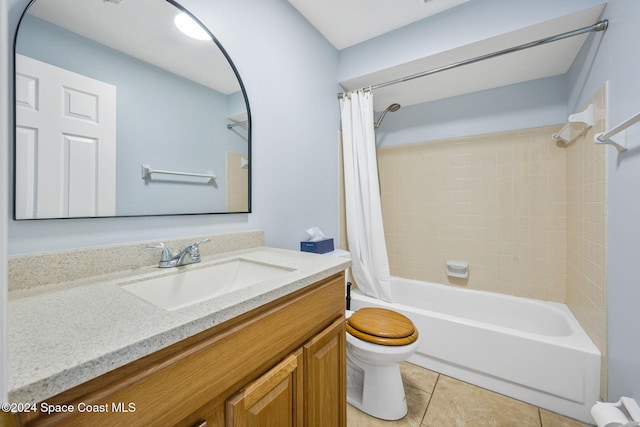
(378,340)
(375,349)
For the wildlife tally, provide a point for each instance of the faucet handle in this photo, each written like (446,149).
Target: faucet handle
(194,249)
(196,244)
(166,255)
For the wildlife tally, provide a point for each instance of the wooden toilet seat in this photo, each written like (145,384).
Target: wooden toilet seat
(382,326)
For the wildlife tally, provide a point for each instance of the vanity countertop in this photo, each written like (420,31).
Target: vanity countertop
(62,335)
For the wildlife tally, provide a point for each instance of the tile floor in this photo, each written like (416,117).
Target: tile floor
(436,400)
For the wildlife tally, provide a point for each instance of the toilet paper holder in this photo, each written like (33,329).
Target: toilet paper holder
(623,413)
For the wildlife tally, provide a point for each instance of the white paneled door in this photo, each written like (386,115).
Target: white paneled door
(65,143)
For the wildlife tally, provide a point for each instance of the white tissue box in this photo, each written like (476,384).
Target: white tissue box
(317,247)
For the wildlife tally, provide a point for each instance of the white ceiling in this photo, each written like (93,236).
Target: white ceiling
(143,29)
(345,23)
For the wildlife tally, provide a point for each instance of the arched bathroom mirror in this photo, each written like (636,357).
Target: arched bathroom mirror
(120,113)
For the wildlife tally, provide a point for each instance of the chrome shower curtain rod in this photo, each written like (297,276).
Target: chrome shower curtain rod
(598,26)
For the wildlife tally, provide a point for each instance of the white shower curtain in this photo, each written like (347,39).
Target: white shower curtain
(365,231)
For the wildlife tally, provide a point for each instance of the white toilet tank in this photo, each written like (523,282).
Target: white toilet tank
(341,253)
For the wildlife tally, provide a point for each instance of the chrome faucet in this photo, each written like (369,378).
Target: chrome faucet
(189,255)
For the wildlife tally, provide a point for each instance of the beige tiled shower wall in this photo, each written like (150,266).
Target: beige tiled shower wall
(237,183)
(586,213)
(496,201)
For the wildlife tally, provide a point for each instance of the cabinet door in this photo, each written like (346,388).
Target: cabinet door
(325,378)
(273,400)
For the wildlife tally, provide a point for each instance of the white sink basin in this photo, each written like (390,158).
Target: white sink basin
(182,288)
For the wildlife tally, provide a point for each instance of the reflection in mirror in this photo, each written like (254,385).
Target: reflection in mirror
(104,88)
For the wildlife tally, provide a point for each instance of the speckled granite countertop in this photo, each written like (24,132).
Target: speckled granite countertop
(65,334)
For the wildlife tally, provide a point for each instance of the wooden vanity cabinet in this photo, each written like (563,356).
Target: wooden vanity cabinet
(274,399)
(282,364)
(325,377)
(305,389)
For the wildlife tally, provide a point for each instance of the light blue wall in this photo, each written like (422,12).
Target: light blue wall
(520,106)
(289,71)
(290,77)
(616,59)
(290,74)
(162,119)
(467,23)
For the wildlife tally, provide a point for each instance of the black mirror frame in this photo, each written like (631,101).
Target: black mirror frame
(242,88)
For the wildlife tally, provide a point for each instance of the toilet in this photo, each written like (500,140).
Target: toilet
(378,340)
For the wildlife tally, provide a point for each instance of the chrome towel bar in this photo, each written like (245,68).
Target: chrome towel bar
(147,171)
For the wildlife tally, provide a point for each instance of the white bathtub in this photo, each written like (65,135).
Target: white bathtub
(531,350)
